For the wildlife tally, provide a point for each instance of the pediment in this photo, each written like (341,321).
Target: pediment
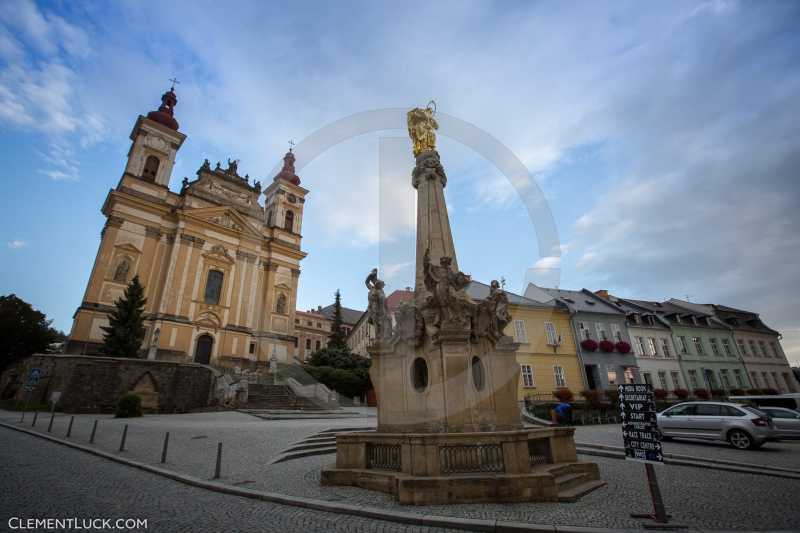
(128,247)
(282,286)
(220,253)
(224,217)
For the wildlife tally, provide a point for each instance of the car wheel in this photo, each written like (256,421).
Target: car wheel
(740,439)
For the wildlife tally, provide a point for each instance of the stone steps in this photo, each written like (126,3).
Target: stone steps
(567,481)
(573,494)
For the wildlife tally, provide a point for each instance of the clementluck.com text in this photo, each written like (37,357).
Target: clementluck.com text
(58,524)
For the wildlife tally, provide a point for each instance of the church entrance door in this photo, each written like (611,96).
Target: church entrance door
(202,353)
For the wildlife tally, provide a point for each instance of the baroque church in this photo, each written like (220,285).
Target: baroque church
(220,272)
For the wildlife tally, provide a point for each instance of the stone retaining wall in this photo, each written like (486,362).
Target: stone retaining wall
(90,384)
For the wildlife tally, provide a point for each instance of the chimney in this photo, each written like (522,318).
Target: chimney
(602,293)
(319,308)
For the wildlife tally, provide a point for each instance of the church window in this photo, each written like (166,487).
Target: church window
(419,374)
(280,305)
(213,287)
(150,168)
(288,222)
(121,273)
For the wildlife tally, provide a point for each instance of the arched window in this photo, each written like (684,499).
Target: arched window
(280,305)
(150,168)
(121,273)
(213,287)
(288,222)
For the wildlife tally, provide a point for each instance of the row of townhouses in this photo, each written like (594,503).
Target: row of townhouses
(595,340)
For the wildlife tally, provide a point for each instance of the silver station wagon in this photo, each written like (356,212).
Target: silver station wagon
(742,426)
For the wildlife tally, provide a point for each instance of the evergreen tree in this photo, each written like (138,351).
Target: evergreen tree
(125,331)
(337,339)
(23,330)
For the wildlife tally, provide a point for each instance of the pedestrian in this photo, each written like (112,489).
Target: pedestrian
(564,413)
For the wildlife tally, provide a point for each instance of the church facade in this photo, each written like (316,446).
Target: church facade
(220,272)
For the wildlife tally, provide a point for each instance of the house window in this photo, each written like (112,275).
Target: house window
(252,348)
(640,346)
(550,330)
(318,345)
(584,331)
(726,379)
(763,346)
(752,344)
(737,374)
(280,305)
(308,344)
(662,380)
(611,372)
(150,168)
(519,329)
(698,345)
(527,376)
(742,347)
(648,378)
(714,346)
(711,377)
(629,376)
(765,377)
(665,348)
(774,347)
(756,381)
(684,346)
(775,380)
(288,221)
(693,379)
(319,325)
(726,345)
(561,379)
(617,332)
(676,379)
(601,331)
(651,345)
(213,287)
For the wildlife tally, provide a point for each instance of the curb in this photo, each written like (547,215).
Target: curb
(466,524)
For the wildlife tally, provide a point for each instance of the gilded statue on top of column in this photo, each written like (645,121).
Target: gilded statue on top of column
(422,128)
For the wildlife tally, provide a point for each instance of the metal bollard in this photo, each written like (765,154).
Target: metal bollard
(94,430)
(164,449)
(35,416)
(122,440)
(69,427)
(219,461)
(52,417)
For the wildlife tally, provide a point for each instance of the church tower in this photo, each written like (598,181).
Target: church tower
(220,273)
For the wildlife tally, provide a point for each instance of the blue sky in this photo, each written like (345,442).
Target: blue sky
(664,135)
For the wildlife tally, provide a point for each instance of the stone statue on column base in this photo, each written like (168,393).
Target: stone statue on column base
(377,311)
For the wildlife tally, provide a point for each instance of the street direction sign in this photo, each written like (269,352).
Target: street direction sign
(33,378)
(640,434)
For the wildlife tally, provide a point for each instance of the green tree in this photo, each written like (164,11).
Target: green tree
(337,339)
(23,330)
(125,331)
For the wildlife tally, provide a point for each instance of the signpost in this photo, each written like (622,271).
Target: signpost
(33,379)
(642,441)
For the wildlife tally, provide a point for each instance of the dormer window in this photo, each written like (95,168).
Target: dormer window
(150,168)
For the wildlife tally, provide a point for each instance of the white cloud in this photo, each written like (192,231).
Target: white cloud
(389,271)
(16,244)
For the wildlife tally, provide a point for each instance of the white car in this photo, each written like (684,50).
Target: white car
(787,421)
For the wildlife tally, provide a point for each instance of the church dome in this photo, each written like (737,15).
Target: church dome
(165,113)
(287,172)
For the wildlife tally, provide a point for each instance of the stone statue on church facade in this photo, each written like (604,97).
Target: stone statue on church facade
(492,316)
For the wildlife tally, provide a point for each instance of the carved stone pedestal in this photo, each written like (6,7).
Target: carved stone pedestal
(441,468)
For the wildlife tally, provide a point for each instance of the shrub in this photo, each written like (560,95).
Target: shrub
(718,393)
(612,394)
(593,397)
(659,394)
(736,392)
(128,406)
(564,395)
(590,345)
(607,346)
(702,394)
(771,391)
(681,394)
(623,347)
(755,392)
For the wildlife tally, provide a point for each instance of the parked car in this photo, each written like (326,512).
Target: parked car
(742,426)
(788,401)
(787,421)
